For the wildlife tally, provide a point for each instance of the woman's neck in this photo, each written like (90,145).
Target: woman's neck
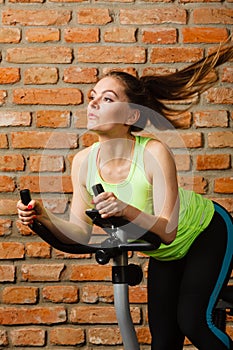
(114,158)
(117,147)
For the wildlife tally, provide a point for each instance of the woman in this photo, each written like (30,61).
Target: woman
(192,265)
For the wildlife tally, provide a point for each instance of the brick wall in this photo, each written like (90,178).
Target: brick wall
(50,54)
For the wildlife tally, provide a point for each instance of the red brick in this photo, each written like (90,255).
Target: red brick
(7,273)
(153,16)
(88,138)
(216,15)
(225,202)
(7,184)
(41,272)
(80,75)
(99,314)
(199,1)
(41,75)
(9,75)
(10,35)
(28,337)
(24,230)
(67,1)
(159,36)
(204,35)
(120,35)
(111,54)
(8,206)
(67,336)
(80,119)
(3,338)
(129,70)
(5,227)
(97,16)
(52,119)
(34,315)
(14,118)
(34,139)
(60,294)
(97,293)
(218,95)
(81,35)
(104,336)
(180,140)
(62,255)
(19,295)
(227,74)
(3,96)
(42,35)
(213,161)
(50,184)
(210,119)
(38,250)
(36,17)
(220,139)
(157,70)
(223,185)
(195,183)
(12,162)
(183,162)
(89,272)
(59,96)
(143,335)
(45,163)
(138,294)
(11,250)
(175,54)
(53,54)
(3,141)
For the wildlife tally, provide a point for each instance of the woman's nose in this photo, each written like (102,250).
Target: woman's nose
(94,103)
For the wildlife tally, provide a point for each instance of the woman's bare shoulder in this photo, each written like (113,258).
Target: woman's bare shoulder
(158,157)
(80,163)
(158,147)
(81,156)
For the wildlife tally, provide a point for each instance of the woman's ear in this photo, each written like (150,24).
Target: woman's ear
(133,117)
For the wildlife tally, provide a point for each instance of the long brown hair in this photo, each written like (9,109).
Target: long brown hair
(157,93)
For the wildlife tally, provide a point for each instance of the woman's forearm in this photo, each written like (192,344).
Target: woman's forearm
(65,231)
(162,227)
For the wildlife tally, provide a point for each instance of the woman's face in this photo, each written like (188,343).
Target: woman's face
(108,106)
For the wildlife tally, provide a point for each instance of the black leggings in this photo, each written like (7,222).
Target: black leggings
(183,293)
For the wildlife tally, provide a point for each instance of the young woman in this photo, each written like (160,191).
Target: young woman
(192,265)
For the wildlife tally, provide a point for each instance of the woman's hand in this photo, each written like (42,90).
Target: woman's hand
(27,213)
(109,205)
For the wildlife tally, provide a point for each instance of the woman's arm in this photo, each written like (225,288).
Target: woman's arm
(79,228)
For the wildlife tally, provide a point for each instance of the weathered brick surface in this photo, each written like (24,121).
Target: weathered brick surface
(51,53)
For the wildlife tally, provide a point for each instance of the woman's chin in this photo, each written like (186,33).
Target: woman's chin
(92,126)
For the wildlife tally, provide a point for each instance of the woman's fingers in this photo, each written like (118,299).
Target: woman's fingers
(26,213)
(109,205)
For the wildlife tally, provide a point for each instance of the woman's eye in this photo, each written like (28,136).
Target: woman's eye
(107,99)
(91,97)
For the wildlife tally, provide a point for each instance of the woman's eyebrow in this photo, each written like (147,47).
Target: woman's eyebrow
(103,92)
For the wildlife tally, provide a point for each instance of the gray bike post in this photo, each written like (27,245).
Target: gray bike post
(121,299)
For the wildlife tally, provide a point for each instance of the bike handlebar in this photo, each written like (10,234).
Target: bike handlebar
(150,240)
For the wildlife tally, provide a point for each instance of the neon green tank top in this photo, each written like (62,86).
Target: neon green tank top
(195,213)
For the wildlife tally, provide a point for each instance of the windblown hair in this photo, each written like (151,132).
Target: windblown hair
(157,93)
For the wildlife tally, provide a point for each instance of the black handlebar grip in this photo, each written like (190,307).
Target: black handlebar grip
(97,189)
(25,196)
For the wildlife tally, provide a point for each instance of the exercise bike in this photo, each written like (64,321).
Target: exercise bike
(116,247)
